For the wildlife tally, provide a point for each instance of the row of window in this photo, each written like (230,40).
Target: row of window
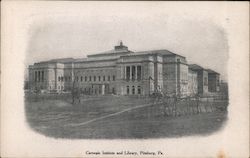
(132,90)
(133,72)
(86,78)
(39,76)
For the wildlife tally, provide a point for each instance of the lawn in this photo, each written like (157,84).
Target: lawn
(111,117)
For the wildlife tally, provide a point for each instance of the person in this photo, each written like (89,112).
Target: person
(75,95)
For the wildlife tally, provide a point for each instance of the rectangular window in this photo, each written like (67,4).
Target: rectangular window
(77,78)
(133,72)
(66,78)
(139,89)
(138,73)
(127,73)
(108,78)
(86,78)
(205,80)
(42,76)
(133,89)
(99,78)
(35,76)
(127,89)
(81,78)
(62,78)
(113,90)
(39,76)
(103,78)
(94,78)
(90,78)
(58,78)
(114,78)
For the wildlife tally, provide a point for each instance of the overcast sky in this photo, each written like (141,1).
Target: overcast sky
(91,29)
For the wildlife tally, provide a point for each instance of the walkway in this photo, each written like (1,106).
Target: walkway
(109,115)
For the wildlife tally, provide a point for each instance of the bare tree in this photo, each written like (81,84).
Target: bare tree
(75,91)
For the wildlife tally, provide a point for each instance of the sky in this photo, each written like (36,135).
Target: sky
(88,29)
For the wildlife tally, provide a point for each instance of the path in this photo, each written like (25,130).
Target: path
(109,115)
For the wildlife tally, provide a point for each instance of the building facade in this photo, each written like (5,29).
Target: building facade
(122,72)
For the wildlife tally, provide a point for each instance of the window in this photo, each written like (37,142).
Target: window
(69,78)
(114,78)
(218,82)
(127,89)
(35,76)
(86,78)
(133,72)
(139,89)
(39,76)
(103,78)
(138,73)
(133,89)
(94,78)
(205,80)
(99,78)
(62,79)
(108,78)
(42,76)
(77,78)
(66,78)
(113,90)
(81,78)
(127,73)
(90,78)
(58,78)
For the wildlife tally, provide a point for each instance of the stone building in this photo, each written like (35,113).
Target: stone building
(121,71)
(202,78)
(213,81)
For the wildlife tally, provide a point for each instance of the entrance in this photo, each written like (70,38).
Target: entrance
(100,89)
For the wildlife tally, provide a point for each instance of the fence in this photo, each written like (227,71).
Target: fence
(173,106)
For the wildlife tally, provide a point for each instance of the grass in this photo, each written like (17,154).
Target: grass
(60,119)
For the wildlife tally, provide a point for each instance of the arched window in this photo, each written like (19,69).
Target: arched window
(139,89)
(133,89)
